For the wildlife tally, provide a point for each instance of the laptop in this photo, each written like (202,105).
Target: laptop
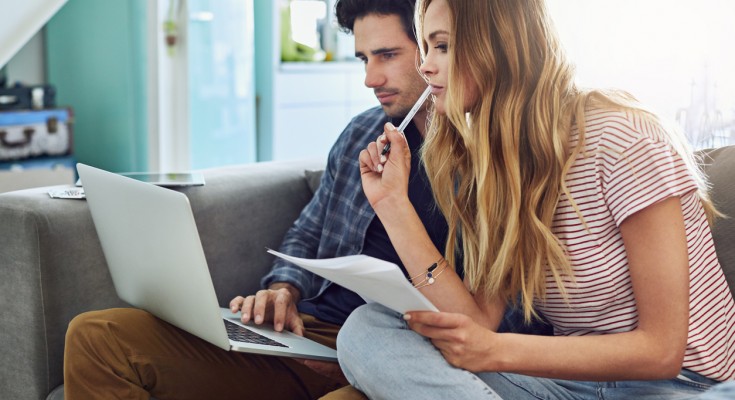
(152,247)
(167,179)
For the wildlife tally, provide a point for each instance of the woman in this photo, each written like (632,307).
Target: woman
(577,204)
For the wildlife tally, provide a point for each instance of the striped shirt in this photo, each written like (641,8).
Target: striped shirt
(627,165)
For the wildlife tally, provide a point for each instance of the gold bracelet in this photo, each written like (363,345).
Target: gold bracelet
(430,278)
(431,273)
(431,268)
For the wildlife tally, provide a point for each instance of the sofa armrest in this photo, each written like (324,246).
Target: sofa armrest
(53,267)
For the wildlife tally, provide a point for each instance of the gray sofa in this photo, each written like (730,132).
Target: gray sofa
(52,267)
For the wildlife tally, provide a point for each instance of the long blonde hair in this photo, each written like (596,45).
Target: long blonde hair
(497,168)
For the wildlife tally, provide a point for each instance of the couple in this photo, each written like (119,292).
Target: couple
(568,204)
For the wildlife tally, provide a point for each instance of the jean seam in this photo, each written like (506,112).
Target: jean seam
(534,394)
(488,390)
(697,385)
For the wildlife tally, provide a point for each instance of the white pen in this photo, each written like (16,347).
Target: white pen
(409,116)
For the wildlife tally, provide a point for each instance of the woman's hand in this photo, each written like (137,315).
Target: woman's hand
(463,343)
(386,176)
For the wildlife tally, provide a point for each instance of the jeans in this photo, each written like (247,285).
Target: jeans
(382,357)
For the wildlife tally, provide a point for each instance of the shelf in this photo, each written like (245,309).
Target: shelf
(321,67)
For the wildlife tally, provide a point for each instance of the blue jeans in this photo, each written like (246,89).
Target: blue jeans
(384,359)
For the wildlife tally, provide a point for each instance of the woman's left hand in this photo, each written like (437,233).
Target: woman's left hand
(463,343)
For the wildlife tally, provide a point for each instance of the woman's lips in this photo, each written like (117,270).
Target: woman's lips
(435,90)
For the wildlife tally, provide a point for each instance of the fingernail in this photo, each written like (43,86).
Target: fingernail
(383,159)
(245,315)
(380,168)
(279,327)
(391,126)
(406,317)
(258,319)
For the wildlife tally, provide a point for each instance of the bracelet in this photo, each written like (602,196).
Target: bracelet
(431,268)
(430,275)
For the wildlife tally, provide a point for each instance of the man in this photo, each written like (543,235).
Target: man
(127,353)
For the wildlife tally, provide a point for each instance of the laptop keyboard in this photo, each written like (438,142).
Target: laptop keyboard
(241,334)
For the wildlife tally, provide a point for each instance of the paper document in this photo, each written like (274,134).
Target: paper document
(373,279)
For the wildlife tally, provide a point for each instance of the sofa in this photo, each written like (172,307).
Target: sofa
(52,267)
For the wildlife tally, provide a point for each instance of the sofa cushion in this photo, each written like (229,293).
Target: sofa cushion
(719,165)
(313,178)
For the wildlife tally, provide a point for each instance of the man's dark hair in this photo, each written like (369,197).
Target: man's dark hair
(348,11)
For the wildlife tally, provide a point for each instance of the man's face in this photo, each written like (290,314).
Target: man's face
(391,60)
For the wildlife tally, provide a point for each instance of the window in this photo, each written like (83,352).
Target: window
(675,56)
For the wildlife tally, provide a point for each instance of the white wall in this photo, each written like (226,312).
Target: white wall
(28,65)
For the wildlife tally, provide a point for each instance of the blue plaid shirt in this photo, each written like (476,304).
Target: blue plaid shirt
(334,222)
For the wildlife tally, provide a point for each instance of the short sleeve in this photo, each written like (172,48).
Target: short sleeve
(646,172)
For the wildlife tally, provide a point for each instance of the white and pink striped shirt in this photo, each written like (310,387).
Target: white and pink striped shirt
(627,165)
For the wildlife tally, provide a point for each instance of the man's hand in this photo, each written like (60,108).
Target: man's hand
(276,304)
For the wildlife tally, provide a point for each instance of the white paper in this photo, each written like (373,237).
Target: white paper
(73,193)
(373,279)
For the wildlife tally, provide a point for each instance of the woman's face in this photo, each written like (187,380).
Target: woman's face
(436,33)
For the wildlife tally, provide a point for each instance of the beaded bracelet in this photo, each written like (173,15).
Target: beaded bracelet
(430,275)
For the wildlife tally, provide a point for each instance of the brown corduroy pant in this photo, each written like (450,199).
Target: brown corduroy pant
(127,353)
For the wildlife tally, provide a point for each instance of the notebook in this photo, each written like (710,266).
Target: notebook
(152,247)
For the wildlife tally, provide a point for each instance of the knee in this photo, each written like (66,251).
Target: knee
(90,327)
(365,333)
(364,322)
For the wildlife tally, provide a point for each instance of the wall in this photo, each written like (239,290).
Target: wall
(28,65)
(96,56)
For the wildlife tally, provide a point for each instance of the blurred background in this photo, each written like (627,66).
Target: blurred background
(164,85)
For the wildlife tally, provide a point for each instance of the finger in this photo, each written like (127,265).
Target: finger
(443,320)
(236,304)
(366,163)
(432,332)
(296,324)
(260,306)
(397,139)
(281,306)
(375,156)
(380,149)
(247,309)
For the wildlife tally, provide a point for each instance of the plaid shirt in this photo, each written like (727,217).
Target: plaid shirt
(336,219)
(334,222)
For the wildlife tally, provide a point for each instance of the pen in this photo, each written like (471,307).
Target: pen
(409,116)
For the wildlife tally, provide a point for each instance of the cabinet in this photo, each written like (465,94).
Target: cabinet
(302,106)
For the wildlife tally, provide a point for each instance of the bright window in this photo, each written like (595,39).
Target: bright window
(677,57)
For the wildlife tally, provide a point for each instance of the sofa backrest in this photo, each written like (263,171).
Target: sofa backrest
(719,165)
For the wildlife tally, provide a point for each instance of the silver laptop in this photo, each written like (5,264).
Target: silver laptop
(157,263)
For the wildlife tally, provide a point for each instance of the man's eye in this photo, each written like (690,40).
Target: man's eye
(388,56)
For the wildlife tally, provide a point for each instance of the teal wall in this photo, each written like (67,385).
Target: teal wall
(264,49)
(96,58)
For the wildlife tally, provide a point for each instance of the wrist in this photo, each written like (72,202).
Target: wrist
(392,208)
